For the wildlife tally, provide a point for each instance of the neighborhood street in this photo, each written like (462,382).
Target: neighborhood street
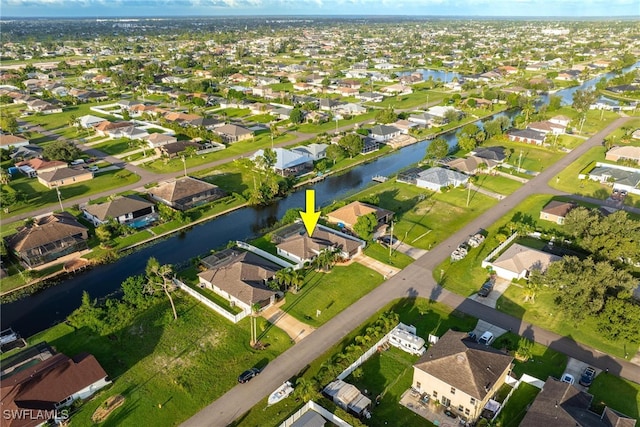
(416,280)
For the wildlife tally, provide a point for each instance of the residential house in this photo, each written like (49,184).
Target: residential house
(240,277)
(177,117)
(472,165)
(461,374)
(383,133)
(348,397)
(130,132)
(185,193)
(315,151)
(233,133)
(496,153)
(556,211)
(156,140)
(174,149)
(106,128)
(518,261)
(44,107)
(404,125)
(26,152)
(436,178)
(48,239)
(301,248)
(350,109)
(625,153)
(623,178)
(421,119)
(288,162)
(129,210)
(39,387)
(208,123)
(7,141)
(560,120)
(327,104)
(90,121)
(562,404)
(33,167)
(64,176)
(528,136)
(348,215)
(547,127)
(397,89)
(370,97)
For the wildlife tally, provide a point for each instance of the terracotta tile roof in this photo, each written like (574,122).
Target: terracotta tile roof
(106,125)
(350,213)
(464,364)
(117,207)
(42,165)
(243,275)
(41,386)
(46,230)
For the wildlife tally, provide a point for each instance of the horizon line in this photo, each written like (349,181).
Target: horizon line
(625,16)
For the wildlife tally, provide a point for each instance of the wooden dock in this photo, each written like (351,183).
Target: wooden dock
(379,178)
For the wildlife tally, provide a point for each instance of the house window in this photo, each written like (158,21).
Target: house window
(445,402)
(460,408)
(435,393)
(418,386)
(453,390)
(466,412)
(472,401)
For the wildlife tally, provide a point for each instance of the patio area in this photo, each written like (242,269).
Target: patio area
(427,408)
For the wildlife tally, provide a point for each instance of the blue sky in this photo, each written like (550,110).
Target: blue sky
(114,8)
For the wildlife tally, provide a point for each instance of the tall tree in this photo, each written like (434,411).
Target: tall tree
(159,276)
(437,150)
(352,143)
(61,150)
(335,152)
(365,225)
(582,99)
(296,116)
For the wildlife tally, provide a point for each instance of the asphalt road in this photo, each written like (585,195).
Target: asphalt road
(416,280)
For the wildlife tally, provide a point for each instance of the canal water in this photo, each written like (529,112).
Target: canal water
(35,313)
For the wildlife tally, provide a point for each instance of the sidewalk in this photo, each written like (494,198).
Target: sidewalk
(382,268)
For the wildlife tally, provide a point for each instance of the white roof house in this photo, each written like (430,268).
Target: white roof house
(315,151)
(89,121)
(436,178)
(287,160)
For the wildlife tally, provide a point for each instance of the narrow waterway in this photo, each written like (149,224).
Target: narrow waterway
(35,313)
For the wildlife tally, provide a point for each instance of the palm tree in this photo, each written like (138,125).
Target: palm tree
(296,280)
(283,277)
(159,277)
(255,308)
(305,389)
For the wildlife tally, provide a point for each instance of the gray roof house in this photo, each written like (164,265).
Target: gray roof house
(185,193)
(437,177)
(382,133)
(132,210)
(562,404)
(289,162)
(240,277)
(315,151)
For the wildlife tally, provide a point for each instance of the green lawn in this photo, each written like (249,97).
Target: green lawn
(543,363)
(232,177)
(167,370)
(262,118)
(331,126)
(234,112)
(388,374)
(416,99)
(261,141)
(516,408)
(425,218)
(330,292)
(39,196)
(59,122)
(545,314)
(381,253)
(498,184)
(116,146)
(568,181)
(617,393)
(527,156)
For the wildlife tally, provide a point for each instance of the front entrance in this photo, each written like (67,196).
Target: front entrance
(445,402)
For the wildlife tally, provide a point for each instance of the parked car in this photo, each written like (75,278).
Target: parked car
(486,338)
(388,240)
(248,375)
(485,290)
(94,168)
(587,376)
(567,378)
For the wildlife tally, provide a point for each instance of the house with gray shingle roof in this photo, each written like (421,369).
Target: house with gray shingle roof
(240,277)
(518,261)
(461,374)
(125,210)
(299,247)
(436,178)
(185,193)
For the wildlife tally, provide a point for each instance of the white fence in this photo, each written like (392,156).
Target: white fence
(312,406)
(235,318)
(371,351)
(523,379)
(264,254)
(496,251)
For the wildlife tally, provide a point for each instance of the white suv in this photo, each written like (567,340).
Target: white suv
(486,338)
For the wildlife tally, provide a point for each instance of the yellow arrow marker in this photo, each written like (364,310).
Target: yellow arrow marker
(310,216)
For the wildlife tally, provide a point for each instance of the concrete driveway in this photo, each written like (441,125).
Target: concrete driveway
(576,367)
(491,300)
(292,326)
(409,250)
(382,268)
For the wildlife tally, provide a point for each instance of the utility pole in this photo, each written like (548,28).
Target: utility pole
(391,240)
(59,199)
(520,161)
(336,118)
(468,192)
(184,165)
(584,118)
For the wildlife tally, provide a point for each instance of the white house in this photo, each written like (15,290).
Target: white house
(437,177)
(518,261)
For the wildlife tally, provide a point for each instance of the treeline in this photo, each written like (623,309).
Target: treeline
(600,285)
